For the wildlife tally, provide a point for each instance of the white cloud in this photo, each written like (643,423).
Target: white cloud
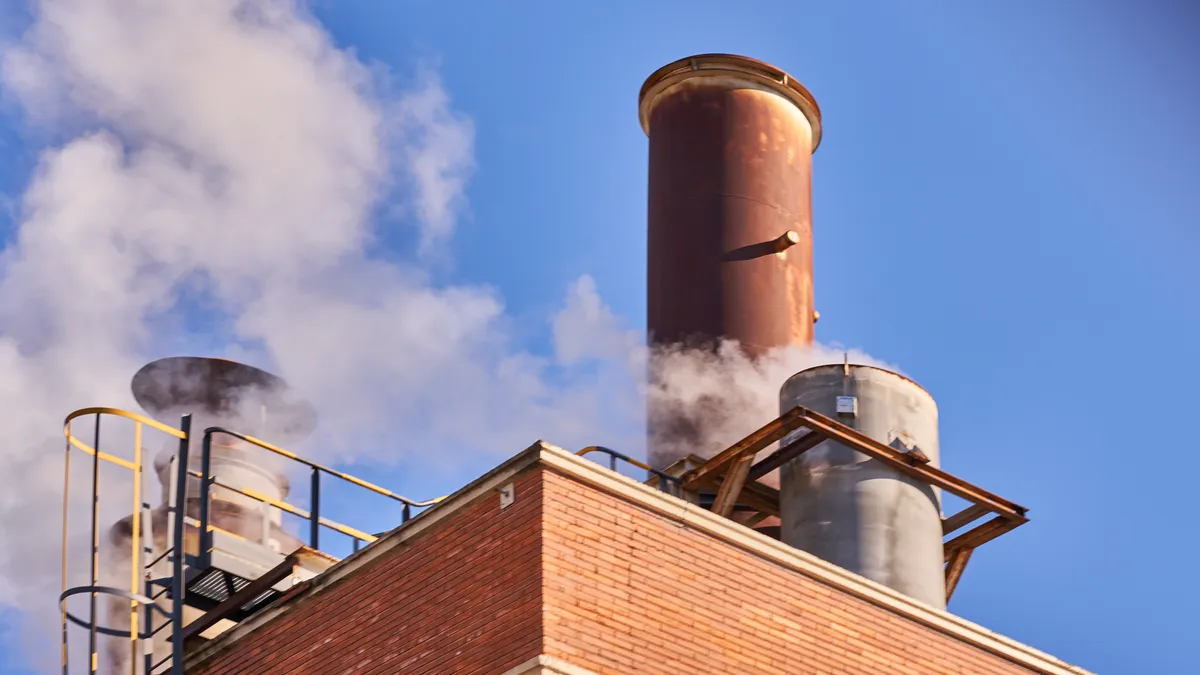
(437,145)
(587,329)
(229,147)
(722,396)
(227,150)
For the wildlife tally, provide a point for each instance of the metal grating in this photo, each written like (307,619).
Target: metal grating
(215,586)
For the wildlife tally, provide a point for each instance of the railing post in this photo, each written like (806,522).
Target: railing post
(95,540)
(177,587)
(148,587)
(314,525)
(205,481)
(406,513)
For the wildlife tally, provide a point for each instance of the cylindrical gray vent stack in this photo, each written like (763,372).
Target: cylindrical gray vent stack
(852,510)
(217,393)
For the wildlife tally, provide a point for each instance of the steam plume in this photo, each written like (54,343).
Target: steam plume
(213,188)
(224,160)
(710,399)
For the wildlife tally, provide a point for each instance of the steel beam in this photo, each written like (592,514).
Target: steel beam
(731,486)
(980,535)
(901,462)
(962,518)
(236,601)
(786,454)
(750,445)
(954,569)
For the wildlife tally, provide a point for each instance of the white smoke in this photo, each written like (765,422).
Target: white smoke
(723,395)
(225,160)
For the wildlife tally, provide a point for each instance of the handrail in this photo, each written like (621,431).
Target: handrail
(113,459)
(165,428)
(663,477)
(314,517)
(175,553)
(285,506)
(136,543)
(344,476)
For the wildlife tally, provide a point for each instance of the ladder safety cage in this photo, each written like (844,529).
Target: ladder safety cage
(191,591)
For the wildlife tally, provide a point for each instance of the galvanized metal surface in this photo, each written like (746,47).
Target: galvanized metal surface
(853,510)
(730,217)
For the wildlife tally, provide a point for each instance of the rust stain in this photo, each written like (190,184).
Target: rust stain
(726,174)
(731,142)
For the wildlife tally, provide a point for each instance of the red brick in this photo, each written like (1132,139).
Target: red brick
(602,583)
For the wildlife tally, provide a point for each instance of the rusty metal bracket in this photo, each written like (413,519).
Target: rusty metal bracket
(955,568)
(981,535)
(735,471)
(731,486)
(963,518)
(786,454)
(750,445)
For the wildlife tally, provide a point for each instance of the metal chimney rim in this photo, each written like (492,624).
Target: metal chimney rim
(199,382)
(862,366)
(729,65)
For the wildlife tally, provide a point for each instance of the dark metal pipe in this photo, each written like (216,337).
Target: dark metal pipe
(95,543)
(148,626)
(314,525)
(177,580)
(206,479)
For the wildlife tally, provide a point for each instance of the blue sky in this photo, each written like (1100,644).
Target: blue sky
(1004,205)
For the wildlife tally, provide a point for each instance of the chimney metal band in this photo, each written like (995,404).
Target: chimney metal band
(729,66)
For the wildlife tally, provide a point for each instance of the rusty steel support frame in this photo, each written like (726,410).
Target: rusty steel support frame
(733,472)
(954,569)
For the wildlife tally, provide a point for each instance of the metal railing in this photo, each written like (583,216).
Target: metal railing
(139,594)
(667,483)
(316,521)
(142,594)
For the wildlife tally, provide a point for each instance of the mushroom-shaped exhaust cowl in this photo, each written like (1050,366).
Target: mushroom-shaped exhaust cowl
(224,392)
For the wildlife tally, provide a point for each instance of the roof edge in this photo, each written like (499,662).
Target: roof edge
(622,487)
(480,487)
(802,562)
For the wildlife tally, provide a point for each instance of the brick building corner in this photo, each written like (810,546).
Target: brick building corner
(585,572)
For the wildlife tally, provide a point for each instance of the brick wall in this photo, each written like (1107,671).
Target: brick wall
(627,591)
(593,580)
(462,597)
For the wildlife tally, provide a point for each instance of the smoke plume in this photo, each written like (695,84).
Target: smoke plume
(704,401)
(214,181)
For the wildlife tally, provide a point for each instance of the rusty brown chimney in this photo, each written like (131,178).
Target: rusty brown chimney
(730,214)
